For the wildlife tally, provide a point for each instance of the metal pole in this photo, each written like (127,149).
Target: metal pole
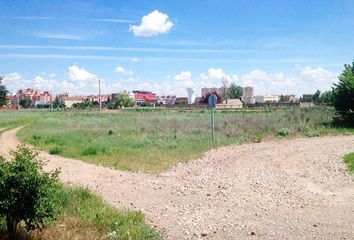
(212,125)
(99,93)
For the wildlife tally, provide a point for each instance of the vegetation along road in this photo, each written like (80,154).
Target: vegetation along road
(288,189)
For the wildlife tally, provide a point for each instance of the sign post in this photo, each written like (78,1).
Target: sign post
(212,100)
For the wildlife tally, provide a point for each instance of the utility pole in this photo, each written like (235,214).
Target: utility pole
(51,101)
(99,93)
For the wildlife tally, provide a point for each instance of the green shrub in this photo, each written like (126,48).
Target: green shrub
(349,160)
(110,132)
(283,132)
(36,137)
(55,150)
(89,151)
(343,95)
(27,193)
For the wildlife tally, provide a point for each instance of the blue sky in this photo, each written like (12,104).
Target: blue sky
(165,46)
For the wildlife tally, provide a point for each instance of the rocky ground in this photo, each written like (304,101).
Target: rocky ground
(288,189)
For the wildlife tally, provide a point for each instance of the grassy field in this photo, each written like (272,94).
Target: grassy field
(86,216)
(153,141)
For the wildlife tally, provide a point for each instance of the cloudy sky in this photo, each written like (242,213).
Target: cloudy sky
(279,47)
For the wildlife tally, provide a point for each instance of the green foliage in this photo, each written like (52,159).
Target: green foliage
(87,104)
(234,91)
(181,101)
(124,100)
(110,132)
(27,193)
(3,93)
(349,160)
(90,209)
(89,151)
(58,103)
(327,97)
(25,103)
(283,132)
(317,96)
(343,95)
(55,150)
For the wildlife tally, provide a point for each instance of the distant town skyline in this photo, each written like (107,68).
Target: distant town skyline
(165,47)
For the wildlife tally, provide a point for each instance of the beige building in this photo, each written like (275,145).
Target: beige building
(69,101)
(230,104)
(264,99)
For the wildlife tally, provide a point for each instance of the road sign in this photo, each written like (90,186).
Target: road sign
(212,100)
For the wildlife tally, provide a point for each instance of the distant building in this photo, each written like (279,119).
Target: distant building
(288,98)
(247,95)
(230,104)
(114,96)
(181,100)
(70,101)
(220,91)
(144,97)
(265,99)
(14,102)
(191,95)
(307,98)
(167,100)
(95,98)
(34,95)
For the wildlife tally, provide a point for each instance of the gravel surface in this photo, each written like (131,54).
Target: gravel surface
(289,189)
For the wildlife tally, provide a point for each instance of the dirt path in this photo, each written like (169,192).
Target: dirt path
(291,189)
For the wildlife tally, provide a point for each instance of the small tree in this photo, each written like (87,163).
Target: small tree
(234,91)
(206,98)
(58,103)
(124,100)
(343,95)
(316,96)
(327,97)
(3,93)
(27,193)
(25,103)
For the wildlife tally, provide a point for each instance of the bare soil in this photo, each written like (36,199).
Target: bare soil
(288,189)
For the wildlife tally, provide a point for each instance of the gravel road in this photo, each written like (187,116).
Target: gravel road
(289,189)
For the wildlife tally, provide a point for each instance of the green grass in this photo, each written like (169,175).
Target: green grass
(86,216)
(154,140)
(349,160)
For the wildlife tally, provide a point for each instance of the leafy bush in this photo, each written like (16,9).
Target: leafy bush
(55,150)
(349,160)
(36,137)
(110,132)
(27,194)
(283,132)
(343,95)
(89,151)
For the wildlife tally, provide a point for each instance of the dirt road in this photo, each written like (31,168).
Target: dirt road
(290,189)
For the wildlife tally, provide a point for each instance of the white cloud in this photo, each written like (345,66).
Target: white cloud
(120,69)
(185,77)
(306,80)
(152,24)
(123,71)
(317,74)
(216,77)
(64,36)
(134,60)
(76,73)
(216,73)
